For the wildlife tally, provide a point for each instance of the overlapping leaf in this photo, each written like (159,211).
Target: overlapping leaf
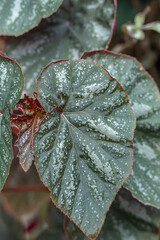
(18,16)
(127,219)
(144,96)
(27,125)
(77,26)
(83,148)
(11,84)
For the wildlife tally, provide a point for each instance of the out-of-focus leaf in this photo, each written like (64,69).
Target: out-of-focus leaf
(27,125)
(52,234)
(77,26)
(17,198)
(9,228)
(144,182)
(127,219)
(55,217)
(18,16)
(83,148)
(11,84)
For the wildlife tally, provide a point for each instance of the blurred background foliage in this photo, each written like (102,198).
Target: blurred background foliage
(147,51)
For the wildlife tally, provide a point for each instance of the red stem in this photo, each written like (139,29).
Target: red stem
(29,188)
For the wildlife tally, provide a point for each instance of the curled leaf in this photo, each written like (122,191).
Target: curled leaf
(27,125)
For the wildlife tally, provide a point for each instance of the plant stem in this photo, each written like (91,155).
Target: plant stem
(27,188)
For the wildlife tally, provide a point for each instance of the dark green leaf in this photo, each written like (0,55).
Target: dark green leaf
(5,146)
(127,220)
(83,151)
(11,84)
(144,96)
(77,26)
(18,16)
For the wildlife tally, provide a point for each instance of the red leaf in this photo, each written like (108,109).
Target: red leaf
(26,125)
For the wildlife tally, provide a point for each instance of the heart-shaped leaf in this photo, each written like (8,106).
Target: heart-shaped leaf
(27,125)
(83,148)
(144,96)
(18,16)
(77,26)
(11,84)
(127,219)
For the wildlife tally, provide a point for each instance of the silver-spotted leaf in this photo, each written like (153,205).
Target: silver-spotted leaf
(19,16)
(127,219)
(83,148)
(144,96)
(77,26)
(5,146)
(11,84)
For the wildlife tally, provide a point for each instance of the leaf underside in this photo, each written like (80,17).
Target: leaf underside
(83,153)
(19,16)
(27,125)
(11,84)
(77,26)
(144,182)
(126,219)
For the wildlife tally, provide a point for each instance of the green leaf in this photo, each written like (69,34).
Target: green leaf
(83,149)
(5,146)
(144,182)
(127,219)
(11,84)
(19,16)
(77,26)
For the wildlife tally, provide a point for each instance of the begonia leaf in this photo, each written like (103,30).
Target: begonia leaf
(126,219)
(11,84)
(19,16)
(78,25)
(83,149)
(144,182)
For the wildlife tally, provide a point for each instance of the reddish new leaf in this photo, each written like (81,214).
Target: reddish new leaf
(26,125)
